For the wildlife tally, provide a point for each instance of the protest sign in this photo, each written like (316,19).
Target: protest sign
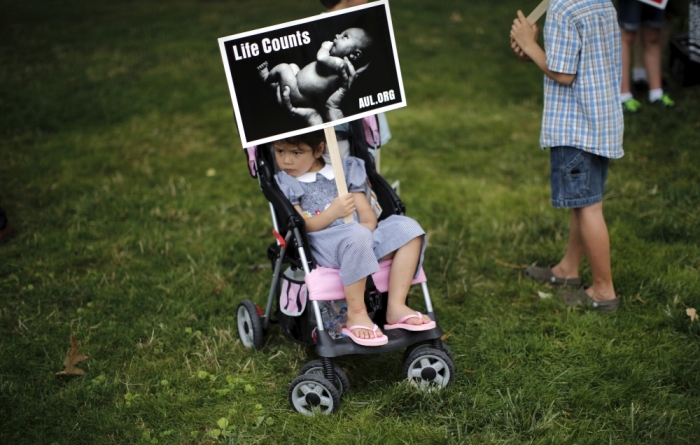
(661,4)
(312,58)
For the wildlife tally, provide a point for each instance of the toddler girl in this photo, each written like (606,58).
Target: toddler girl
(354,248)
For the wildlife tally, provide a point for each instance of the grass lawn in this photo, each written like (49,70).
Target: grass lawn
(111,115)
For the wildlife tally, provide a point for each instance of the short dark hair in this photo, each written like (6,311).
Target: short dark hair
(328,4)
(312,139)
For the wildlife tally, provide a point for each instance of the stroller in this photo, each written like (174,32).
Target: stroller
(428,362)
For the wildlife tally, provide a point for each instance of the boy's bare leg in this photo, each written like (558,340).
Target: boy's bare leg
(628,38)
(568,266)
(596,241)
(403,268)
(651,52)
(357,312)
(637,55)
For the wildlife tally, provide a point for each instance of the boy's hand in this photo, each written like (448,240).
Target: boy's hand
(327,45)
(523,34)
(342,206)
(519,51)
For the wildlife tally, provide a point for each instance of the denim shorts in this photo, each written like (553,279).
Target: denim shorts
(577,177)
(633,14)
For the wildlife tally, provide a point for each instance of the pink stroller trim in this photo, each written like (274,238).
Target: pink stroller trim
(251,153)
(371,127)
(324,283)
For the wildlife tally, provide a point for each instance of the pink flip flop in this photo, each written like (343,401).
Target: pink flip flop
(376,341)
(411,327)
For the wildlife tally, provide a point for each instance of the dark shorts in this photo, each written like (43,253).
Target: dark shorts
(633,14)
(577,177)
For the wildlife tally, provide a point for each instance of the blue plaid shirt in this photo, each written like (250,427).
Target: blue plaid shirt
(582,37)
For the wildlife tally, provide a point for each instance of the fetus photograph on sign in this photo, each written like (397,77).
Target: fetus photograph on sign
(303,75)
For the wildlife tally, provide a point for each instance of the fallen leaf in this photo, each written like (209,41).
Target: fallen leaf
(692,313)
(543,294)
(211,172)
(217,289)
(445,336)
(72,359)
(456,17)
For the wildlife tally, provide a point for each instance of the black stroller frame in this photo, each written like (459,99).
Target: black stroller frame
(428,362)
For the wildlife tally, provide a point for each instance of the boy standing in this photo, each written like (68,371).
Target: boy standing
(582,124)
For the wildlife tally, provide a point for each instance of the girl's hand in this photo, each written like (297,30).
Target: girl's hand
(342,206)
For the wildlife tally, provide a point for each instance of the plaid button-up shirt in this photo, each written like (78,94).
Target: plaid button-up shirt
(582,37)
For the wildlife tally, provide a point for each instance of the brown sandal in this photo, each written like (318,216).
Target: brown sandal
(545,275)
(579,297)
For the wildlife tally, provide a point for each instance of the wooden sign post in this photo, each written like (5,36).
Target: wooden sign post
(337,164)
(538,12)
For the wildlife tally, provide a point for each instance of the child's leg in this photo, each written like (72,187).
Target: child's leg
(568,266)
(651,52)
(348,248)
(357,312)
(596,241)
(589,234)
(578,182)
(403,268)
(628,38)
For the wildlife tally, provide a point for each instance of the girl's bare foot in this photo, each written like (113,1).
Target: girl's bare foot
(395,313)
(362,320)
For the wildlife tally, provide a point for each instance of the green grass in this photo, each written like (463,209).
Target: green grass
(111,114)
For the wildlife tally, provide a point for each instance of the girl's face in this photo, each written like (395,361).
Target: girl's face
(296,160)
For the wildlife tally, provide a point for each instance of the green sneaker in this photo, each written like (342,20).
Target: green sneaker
(631,106)
(664,102)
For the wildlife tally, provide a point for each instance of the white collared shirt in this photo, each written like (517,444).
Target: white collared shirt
(326,171)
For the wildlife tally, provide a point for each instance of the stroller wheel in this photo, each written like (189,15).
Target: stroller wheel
(249,325)
(342,384)
(310,394)
(428,344)
(429,369)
